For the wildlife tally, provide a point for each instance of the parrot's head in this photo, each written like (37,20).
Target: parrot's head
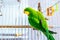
(28,11)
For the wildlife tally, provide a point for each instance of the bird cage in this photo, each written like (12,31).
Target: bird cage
(14,23)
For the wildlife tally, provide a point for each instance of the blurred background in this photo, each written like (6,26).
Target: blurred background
(11,14)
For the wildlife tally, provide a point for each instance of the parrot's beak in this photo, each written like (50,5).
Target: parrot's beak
(26,12)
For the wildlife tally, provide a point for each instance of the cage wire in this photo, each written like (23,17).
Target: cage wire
(21,19)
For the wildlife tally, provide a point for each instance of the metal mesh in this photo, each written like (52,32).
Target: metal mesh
(12,14)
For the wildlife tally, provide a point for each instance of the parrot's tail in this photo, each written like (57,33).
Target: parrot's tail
(52,32)
(49,37)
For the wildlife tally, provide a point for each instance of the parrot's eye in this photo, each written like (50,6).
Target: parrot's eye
(26,12)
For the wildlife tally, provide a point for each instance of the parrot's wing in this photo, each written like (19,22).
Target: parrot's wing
(42,20)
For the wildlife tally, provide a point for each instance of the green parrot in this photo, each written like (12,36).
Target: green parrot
(38,21)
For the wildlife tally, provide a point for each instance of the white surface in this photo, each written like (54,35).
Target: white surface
(29,33)
(13,13)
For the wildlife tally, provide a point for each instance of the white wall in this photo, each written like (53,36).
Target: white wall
(13,14)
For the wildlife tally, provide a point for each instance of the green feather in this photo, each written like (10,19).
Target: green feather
(38,21)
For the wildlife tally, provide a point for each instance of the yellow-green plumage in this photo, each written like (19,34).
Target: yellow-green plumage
(38,21)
